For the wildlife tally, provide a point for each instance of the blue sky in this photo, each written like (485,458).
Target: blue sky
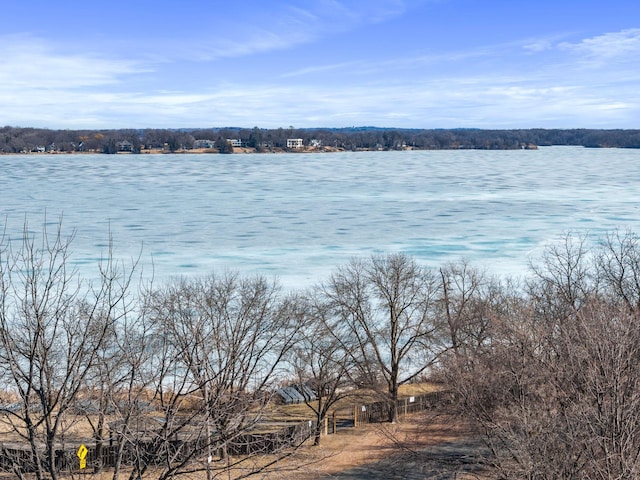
(324,63)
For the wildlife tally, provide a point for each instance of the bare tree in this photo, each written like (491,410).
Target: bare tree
(467,301)
(321,362)
(122,387)
(383,314)
(563,278)
(561,405)
(52,326)
(556,387)
(618,267)
(228,336)
(159,427)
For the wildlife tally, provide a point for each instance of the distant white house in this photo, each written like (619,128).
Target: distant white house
(315,143)
(294,143)
(236,142)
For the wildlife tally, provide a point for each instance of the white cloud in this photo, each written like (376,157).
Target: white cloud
(625,43)
(539,45)
(447,102)
(30,63)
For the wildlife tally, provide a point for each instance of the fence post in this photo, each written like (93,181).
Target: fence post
(335,423)
(326,425)
(355,416)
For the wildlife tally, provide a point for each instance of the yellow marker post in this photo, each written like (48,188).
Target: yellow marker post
(82,455)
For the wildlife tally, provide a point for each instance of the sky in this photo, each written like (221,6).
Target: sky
(69,64)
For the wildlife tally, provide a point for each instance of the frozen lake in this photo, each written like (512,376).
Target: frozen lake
(298,216)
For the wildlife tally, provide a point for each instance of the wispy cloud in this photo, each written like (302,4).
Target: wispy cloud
(350,12)
(625,43)
(539,45)
(366,11)
(255,42)
(284,26)
(44,84)
(31,63)
(316,69)
(543,44)
(401,63)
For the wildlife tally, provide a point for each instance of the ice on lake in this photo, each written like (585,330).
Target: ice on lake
(298,216)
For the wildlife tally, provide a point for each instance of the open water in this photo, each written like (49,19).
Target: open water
(298,216)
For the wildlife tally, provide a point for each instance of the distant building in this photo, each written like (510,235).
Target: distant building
(294,143)
(315,143)
(236,142)
(204,143)
(125,146)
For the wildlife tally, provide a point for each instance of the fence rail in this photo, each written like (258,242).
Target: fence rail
(378,412)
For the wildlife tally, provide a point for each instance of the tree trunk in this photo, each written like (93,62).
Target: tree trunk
(99,444)
(393,407)
(318,432)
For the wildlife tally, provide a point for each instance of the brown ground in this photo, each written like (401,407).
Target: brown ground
(421,446)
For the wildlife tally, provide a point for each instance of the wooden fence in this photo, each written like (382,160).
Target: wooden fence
(246,444)
(270,442)
(378,412)
(12,456)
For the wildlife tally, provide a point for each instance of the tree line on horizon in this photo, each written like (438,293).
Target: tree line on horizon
(28,140)
(546,366)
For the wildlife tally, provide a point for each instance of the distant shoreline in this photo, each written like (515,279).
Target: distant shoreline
(17,140)
(249,150)
(276,150)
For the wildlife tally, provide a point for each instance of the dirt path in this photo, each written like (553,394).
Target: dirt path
(422,446)
(450,460)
